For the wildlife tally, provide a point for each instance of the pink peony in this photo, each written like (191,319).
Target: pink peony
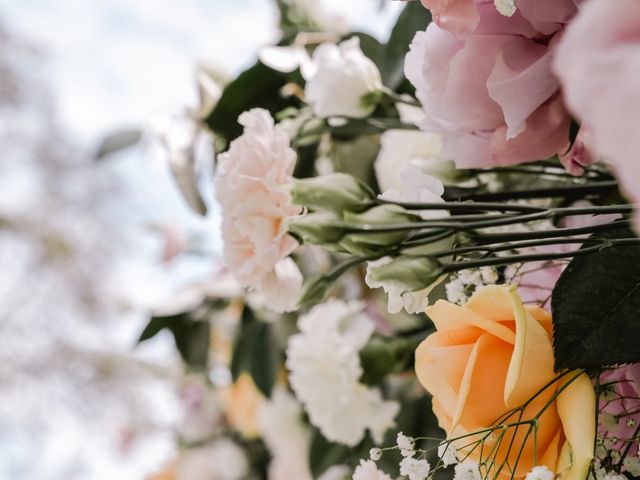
(598,63)
(252,186)
(491,92)
(462,17)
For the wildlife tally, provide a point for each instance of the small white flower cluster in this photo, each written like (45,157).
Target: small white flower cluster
(368,470)
(467,470)
(541,472)
(465,282)
(324,364)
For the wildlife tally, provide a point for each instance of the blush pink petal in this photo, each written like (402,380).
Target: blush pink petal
(546,133)
(521,81)
(598,63)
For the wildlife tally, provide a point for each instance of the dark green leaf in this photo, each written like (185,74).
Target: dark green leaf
(258,86)
(257,352)
(596,303)
(385,355)
(412,19)
(324,454)
(192,337)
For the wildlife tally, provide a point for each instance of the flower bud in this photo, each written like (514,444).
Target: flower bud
(412,273)
(367,243)
(317,228)
(336,192)
(314,290)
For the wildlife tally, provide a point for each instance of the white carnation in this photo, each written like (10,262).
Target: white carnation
(324,364)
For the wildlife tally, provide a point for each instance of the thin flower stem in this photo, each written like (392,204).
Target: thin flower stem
(454,267)
(580,190)
(484,238)
(522,244)
(547,214)
(463,207)
(406,99)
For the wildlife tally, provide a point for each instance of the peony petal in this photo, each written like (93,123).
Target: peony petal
(520,82)
(531,366)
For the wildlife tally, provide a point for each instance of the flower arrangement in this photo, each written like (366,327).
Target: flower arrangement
(459,203)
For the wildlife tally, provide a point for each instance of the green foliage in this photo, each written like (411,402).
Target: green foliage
(596,303)
(385,355)
(191,336)
(258,86)
(412,19)
(257,352)
(324,454)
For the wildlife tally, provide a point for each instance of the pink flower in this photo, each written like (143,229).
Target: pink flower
(462,17)
(620,406)
(598,63)
(252,186)
(491,94)
(582,153)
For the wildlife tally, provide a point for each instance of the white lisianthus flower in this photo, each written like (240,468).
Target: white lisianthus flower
(345,82)
(324,364)
(368,470)
(414,469)
(541,472)
(447,454)
(402,148)
(467,470)
(252,186)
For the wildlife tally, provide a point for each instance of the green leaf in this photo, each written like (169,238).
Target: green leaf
(257,352)
(595,306)
(385,355)
(324,454)
(412,19)
(258,86)
(192,337)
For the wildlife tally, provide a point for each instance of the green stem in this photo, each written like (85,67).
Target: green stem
(517,245)
(552,192)
(401,98)
(454,267)
(488,238)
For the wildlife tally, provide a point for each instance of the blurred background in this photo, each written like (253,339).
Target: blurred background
(95,102)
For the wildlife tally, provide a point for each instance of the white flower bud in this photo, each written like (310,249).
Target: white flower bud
(375,454)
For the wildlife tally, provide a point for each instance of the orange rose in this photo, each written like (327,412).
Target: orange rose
(491,356)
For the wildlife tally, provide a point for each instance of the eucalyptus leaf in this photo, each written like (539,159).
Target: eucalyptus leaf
(596,306)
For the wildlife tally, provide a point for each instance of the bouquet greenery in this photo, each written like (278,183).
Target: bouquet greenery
(430,248)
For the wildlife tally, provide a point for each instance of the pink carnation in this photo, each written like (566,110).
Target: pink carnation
(252,186)
(488,87)
(598,63)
